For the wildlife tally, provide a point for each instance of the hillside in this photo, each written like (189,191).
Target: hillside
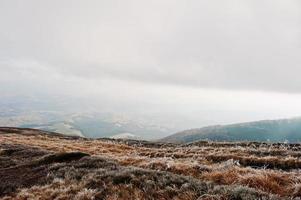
(88,124)
(284,130)
(41,165)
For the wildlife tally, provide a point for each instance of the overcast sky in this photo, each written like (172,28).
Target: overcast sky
(206,62)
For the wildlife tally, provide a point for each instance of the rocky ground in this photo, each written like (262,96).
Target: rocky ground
(41,165)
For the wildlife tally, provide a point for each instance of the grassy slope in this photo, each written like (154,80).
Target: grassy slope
(273,130)
(34,164)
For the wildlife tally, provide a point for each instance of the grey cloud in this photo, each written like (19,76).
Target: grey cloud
(208,44)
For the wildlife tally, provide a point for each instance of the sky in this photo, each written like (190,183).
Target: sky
(191,63)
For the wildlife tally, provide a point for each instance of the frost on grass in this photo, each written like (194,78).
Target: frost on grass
(35,165)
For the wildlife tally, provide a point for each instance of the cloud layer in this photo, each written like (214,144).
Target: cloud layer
(221,44)
(199,60)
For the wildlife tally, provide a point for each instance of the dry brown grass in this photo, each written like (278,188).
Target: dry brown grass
(264,167)
(271,181)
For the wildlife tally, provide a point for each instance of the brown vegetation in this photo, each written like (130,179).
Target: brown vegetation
(34,164)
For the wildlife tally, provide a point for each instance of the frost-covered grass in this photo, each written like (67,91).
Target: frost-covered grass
(218,170)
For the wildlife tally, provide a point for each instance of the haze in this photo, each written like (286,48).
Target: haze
(184,64)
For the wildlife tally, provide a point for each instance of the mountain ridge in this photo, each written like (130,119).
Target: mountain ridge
(279,130)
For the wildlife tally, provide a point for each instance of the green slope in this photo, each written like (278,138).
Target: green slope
(267,130)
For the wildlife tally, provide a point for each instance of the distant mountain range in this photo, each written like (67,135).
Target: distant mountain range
(283,130)
(92,125)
